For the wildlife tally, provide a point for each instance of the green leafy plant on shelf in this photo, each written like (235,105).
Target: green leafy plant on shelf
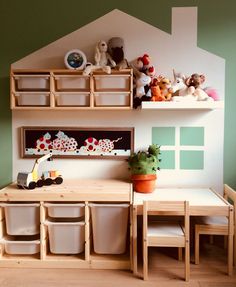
(143,166)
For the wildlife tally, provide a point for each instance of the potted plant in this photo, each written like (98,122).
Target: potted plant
(143,166)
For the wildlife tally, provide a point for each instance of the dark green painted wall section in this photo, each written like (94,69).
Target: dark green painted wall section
(27,25)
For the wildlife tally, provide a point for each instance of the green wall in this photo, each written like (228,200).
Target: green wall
(28,25)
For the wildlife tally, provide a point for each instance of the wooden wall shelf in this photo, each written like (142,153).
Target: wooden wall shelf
(71,90)
(198,105)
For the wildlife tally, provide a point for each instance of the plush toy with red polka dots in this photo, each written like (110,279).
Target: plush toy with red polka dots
(44,143)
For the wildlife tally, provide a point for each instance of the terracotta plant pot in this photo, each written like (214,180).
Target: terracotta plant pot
(144,183)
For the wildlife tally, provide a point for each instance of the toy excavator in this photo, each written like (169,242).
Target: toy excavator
(30,180)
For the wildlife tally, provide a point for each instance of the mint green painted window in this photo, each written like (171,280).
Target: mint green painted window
(163,135)
(191,159)
(192,136)
(167,159)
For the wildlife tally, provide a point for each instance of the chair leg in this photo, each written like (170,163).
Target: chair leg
(187,262)
(235,249)
(145,260)
(197,238)
(180,254)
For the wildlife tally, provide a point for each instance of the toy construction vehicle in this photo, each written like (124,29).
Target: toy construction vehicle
(31,179)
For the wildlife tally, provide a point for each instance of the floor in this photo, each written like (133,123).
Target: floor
(164,270)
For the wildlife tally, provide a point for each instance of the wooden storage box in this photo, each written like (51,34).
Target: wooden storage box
(72,82)
(66,237)
(112,82)
(73,99)
(111,99)
(65,210)
(32,82)
(22,219)
(32,99)
(110,224)
(23,246)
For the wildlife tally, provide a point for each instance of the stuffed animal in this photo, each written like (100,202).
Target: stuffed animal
(103,59)
(116,50)
(145,59)
(156,92)
(143,92)
(165,88)
(211,92)
(194,82)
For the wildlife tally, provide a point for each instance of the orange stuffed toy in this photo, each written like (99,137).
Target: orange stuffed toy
(156,91)
(165,85)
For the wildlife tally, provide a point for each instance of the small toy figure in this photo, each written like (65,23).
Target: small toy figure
(116,50)
(102,59)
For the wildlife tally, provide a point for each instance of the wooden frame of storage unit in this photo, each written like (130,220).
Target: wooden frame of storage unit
(88,91)
(112,191)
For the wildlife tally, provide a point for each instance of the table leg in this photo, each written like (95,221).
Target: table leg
(135,258)
(230,242)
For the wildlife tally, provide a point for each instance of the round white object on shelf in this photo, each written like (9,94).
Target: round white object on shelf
(75,59)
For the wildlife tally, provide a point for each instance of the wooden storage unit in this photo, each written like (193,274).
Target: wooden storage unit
(70,89)
(84,191)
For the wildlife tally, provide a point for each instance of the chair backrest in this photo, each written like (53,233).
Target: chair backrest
(230,194)
(175,208)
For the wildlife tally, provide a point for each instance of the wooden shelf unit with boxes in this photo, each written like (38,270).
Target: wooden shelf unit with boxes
(59,226)
(50,89)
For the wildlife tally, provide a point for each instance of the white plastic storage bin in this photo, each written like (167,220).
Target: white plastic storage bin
(73,99)
(22,219)
(72,82)
(112,99)
(65,210)
(32,99)
(112,82)
(23,246)
(66,237)
(32,82)
(109,223)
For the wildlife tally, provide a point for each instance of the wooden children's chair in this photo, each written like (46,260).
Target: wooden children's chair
(165,233)
(217,225)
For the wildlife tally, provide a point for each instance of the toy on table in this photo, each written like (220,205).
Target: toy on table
(30,180)
(103,59)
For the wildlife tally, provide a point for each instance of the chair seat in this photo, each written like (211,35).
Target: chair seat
(212,220)
(164,229)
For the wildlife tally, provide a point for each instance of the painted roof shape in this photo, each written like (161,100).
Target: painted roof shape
(177,50)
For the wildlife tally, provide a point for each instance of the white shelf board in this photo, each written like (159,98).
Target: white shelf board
(199,105)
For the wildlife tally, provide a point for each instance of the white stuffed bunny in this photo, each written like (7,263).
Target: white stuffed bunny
(102,59)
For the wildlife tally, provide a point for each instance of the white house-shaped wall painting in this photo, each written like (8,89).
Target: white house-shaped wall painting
(177,50)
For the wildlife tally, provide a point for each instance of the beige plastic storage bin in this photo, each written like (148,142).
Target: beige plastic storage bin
(23,246)
(65,210)
(65,99)
(22,219)
(112,82)
(32,99)
(109,223)
(111,99)
(72,82)
(32,82)
(66,237)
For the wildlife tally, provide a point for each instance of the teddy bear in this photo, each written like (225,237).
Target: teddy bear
(116,50)
(103,59)
(194,82)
